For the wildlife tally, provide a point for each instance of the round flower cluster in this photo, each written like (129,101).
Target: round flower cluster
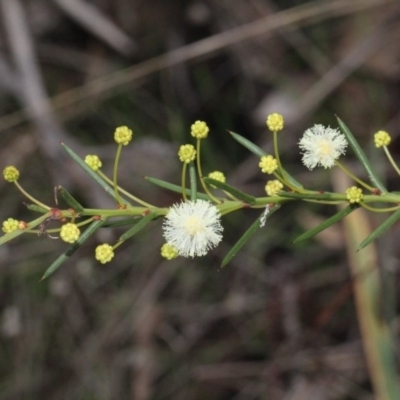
(275,122)
(199,130)
(381,139)
(322,146)
(268,164)
(187,153)
(10,174)
(104,253)
(70,233)
(10,225)
(123,135)
(354,194)
(93,161)
(273,187)
(169,252)
(218,176)
(193,227)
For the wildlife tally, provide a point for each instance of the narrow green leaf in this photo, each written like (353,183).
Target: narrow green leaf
(121,222)
(33,224)
(241,242)
(384,226)
(373,176)
(326,224)
(139,226)
(308,196)
(89,231)
(258,151)
(246,236)
(253,148)
(174,188)
(193,181)
(293,182)
(109,189)
(233,191)
(70,200)
(55,265)
(36,208)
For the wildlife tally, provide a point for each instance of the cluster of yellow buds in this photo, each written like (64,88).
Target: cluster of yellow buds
(268,164)
(93,161)
(123,135)
(70,232)
(192,227)
(187,153)
(199,130)
(104,253)
(275,122)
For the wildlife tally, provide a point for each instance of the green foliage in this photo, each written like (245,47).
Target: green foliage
(321,146)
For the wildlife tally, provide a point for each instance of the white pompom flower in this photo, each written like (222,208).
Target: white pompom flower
(193,227)
(322,146)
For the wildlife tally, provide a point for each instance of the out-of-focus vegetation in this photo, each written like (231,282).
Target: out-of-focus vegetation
(279,321)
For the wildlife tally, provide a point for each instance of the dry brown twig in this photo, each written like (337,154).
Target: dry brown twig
(100,88)
(98,24)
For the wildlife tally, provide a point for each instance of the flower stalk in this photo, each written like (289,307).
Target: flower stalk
(320,147)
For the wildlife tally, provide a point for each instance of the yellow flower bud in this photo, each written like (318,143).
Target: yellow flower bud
(199,130)
(187,153)
(10,173)
(168,251)
(382,138)
(93,161)
(218,176)
(275,122)
(104,253)
(273,187)
(70,233)
(268,164)
(354,194)
(10,225)
(123,135)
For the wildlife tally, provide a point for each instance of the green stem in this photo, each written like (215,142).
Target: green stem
(290,186)
(116,245)
(389,156)
(327,196)
(229,207)
(183,181)
(278,159)
(375,209)
(209,194)
(327,202)
(285,182)
(126,193)
(83,223)
(352,176)
(282,176)
(230,196)
(193,182)
(123,212)
(31,198)
(115,175)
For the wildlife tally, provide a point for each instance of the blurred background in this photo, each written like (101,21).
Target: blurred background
(279,321)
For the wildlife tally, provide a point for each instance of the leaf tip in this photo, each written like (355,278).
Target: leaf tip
(222,265)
